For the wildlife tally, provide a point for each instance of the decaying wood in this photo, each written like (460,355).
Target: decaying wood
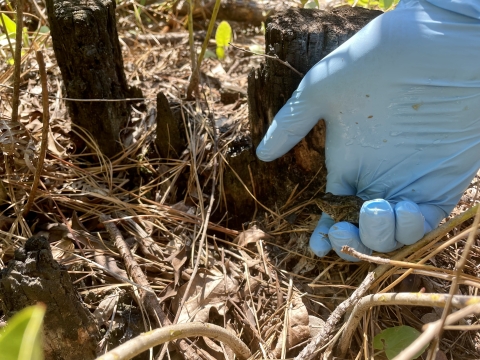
(70,330)
(88,52)
(169,140)
(300,37)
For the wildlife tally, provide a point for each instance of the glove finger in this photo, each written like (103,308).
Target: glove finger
(319,242)
(433,214)
(377,226)
(344,233)
(409,223)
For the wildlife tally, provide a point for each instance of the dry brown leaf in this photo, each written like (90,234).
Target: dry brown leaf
(298,325)
(209,289)
(54,147)
(177,259)
(316,325)
(104,310)
(250,236)
(168,292)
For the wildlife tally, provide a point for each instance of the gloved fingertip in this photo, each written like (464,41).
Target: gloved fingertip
(320,245)
(377,225)
(319,242)
(410,223)
(346,234)
(263,154)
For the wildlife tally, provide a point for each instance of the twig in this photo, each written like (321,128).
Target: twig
(190,34)
(156,337)
(437,250)
(194,80)
(429,239)
(411,299)
(270,57)
(18,60)
(454,286)
(326,334)
(432,330)
(134,270)
(44,143)
(148,297)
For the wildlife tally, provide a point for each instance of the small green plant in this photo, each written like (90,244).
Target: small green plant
(21,339)
(393,340)
(381,4)
(223,36)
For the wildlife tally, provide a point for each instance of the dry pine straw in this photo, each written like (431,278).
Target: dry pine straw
(168,198)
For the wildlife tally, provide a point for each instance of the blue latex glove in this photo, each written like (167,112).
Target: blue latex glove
(401,102)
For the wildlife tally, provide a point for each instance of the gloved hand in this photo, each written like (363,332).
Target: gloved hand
(401,102)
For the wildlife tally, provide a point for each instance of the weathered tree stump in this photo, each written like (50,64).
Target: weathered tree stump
(70,330)
(88,52)
(301,37)
(169,140)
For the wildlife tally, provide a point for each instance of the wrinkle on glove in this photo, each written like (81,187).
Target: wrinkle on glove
(401,102)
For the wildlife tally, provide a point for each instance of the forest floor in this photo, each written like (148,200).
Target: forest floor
(258,280)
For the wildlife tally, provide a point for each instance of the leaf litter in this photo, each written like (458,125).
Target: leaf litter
(260,282)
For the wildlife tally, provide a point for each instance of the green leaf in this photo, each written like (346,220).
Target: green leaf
(371,4)
(10,25)
(21,339)
(387,4)
(26,40)
(209,54)
(311,5)
(394,340)
(220,52)
(44,30)
(223,36)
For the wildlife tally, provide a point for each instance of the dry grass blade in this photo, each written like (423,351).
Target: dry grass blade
(46,119)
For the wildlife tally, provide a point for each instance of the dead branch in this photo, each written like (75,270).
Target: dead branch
(410,299)
(454,286)
(276,58)
(433,329)
(18,60)
(148,297)
(156,337)
(43,145)
(325,335)
(428,240)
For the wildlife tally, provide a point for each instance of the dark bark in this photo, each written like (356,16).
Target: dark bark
(88,52)
(169,141)
(70,330)
(302,37)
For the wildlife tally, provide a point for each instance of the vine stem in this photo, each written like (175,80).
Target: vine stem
(156,337)
(17,60)
(194,80)
(45,126)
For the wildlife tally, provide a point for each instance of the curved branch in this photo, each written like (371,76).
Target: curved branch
(162,335)
(411,299)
